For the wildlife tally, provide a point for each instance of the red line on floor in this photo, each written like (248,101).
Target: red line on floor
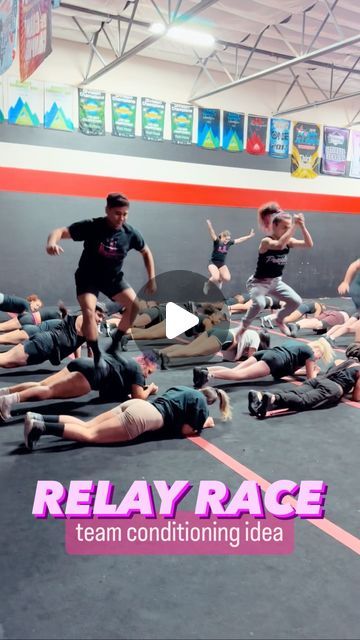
(330,528)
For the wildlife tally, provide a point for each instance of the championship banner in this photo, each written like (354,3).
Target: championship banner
(256,135)
(233,131)
(182,117)
(152,119)
(2,117)
(8,15)
(34,35)
(123,114)
(92,112)
(26,103)
(335,151)
(209,128)
(59,107)
(305,150)
(355,156)
(279,138)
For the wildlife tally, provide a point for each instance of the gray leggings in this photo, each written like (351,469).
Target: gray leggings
(258,289)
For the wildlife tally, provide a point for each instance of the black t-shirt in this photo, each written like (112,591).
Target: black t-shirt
(104,248)
(117,385)
(346,378)
(182,405)
(14,304)
(156,314)
(292,355)
(271,263)
(65,338)
(220,250)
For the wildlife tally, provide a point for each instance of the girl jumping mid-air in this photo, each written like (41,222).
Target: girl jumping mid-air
(218,270)
(273,255)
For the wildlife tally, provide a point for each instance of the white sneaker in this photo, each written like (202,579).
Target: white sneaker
(6,403)
(33,430)
(266,322)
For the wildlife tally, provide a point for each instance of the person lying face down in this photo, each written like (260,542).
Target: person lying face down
(54,345)
(180,411)
(326,390)
(122,379)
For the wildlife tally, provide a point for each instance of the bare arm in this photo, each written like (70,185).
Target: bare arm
(52,247)
(352,270)
(310,368)
(150,268)
(211,230)
(244,238)
(269,243)
(139,393)
(356,391)
(307,239)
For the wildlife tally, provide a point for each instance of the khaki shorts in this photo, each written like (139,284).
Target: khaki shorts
(138,416)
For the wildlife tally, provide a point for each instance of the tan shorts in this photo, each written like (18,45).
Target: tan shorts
(138,416)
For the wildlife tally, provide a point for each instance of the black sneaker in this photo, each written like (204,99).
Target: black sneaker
(254,401)
(33,430)
(294,329)
(200,376)
(265,406)
(118,345)
(164,361)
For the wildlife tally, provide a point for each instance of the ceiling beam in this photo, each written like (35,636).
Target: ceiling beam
(280,67)
(317,103)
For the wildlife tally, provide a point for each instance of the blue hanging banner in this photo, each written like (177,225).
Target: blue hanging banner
(233,131)
(279,138)
(209,128)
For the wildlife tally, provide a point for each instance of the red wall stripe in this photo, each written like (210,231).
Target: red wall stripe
(88,186)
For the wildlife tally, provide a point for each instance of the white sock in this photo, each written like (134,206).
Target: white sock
(4,391)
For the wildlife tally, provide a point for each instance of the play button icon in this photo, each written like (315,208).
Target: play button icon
(178,320)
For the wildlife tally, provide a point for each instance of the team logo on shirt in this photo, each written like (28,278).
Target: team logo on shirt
(277,259)
(110,249)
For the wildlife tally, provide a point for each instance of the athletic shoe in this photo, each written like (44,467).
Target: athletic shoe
(206,287)
(4,391)
(118,344)
(33,430)
(162,359)
(294,329)
(200,376)
(6,403)
(266,322)
(265,406)
(283,328)
(254,401)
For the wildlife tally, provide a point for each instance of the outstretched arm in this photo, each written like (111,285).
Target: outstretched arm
(244,238)
(211,230)
(307,241)
(352,270)
(52,247)
(150,268)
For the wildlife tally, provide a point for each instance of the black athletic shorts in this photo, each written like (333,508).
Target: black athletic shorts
(41,348)
(47,325)
(276,367)
(91,283)
(224,336)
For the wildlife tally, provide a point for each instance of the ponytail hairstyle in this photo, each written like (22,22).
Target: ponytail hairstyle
(327,353)
(33,297)
(226,232)
(212,394)
(266,214)
(264,340)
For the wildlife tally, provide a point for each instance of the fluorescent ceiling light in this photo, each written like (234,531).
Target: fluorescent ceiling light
(181,34)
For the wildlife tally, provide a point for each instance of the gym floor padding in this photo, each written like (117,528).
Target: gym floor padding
(313,593)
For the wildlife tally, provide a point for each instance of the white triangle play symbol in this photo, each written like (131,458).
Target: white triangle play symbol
(178,320)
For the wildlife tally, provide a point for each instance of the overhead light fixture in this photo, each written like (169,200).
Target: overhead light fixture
(181,34)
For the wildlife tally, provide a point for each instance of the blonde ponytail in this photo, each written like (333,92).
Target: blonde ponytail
(212,395)
(327,352)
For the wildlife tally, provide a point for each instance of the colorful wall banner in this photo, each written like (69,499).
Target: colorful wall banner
(34,35)
(355,156)
(92,112)
(279,138)
(123,114)
(26,103)
(256,135)
(233,131)
(209,128)
(305,150)
(335,151)
(2,116)
(182,117)
(59,107)
(8,23)
(152,118)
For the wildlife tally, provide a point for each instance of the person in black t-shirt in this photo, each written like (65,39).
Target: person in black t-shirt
(54,345)
(272,258)
(218,270)
(324,391)
(180,411)
(288,359)
(15,304)
(122,379)
(107,241)
(28,331)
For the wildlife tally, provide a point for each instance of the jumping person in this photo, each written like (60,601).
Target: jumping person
(218,270)
(180,411)
(122,379)
(287,360)
(107,241)
(273,254)
(351,283)
(54,345)
(326,390)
